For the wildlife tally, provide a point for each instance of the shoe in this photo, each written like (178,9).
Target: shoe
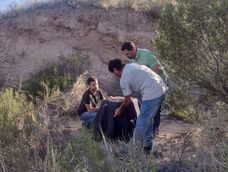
(146,150)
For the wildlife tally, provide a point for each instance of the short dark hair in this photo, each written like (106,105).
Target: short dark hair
(91,79)
(128,45)
(115,63)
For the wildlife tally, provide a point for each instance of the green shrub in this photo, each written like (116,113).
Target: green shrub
(55,76)
(97,158)
(182,104)
(192,37)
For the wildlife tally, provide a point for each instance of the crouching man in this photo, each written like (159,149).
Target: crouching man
(91,98)
(135,77)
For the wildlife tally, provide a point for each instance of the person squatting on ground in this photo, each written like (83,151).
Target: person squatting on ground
(91,98)
(147,58)
(135,77)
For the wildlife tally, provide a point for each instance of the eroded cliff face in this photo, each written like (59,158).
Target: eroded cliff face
(48,34)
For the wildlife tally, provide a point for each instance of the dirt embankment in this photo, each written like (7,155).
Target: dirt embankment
(48,34)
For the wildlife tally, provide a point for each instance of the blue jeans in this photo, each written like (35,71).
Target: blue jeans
(145,122)
(88,118)
(157,120)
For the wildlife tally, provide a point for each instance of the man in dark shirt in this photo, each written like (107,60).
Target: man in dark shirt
(91,99)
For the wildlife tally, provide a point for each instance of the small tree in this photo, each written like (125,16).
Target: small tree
(192,37)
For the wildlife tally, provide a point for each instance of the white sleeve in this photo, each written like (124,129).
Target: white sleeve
(125,86)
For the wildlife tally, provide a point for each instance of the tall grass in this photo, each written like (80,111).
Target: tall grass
(16,125)
(37,138)
(16,115)
(214,137)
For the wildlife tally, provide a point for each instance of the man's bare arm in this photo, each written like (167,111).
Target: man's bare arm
(157,68)
(120,109)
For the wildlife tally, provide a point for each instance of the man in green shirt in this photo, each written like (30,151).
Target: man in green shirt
(147,58)
(143,57)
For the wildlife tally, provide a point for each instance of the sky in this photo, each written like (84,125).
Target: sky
(5,4)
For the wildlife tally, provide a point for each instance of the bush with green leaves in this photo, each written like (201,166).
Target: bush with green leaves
(192,37)
(57,76)
(182,104)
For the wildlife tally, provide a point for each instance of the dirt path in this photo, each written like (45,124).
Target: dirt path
(169,127)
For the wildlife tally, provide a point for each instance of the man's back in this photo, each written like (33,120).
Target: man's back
(140,78)
(148,58)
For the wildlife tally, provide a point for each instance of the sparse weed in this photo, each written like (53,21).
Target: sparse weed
(213,138)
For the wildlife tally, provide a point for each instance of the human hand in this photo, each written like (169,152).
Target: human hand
(110,97)
(118,111)
(98,104)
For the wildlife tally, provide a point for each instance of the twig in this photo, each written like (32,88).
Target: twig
(73,157)
(215,160)
(3,166)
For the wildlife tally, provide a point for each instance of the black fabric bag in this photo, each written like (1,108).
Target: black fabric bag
(116,128)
